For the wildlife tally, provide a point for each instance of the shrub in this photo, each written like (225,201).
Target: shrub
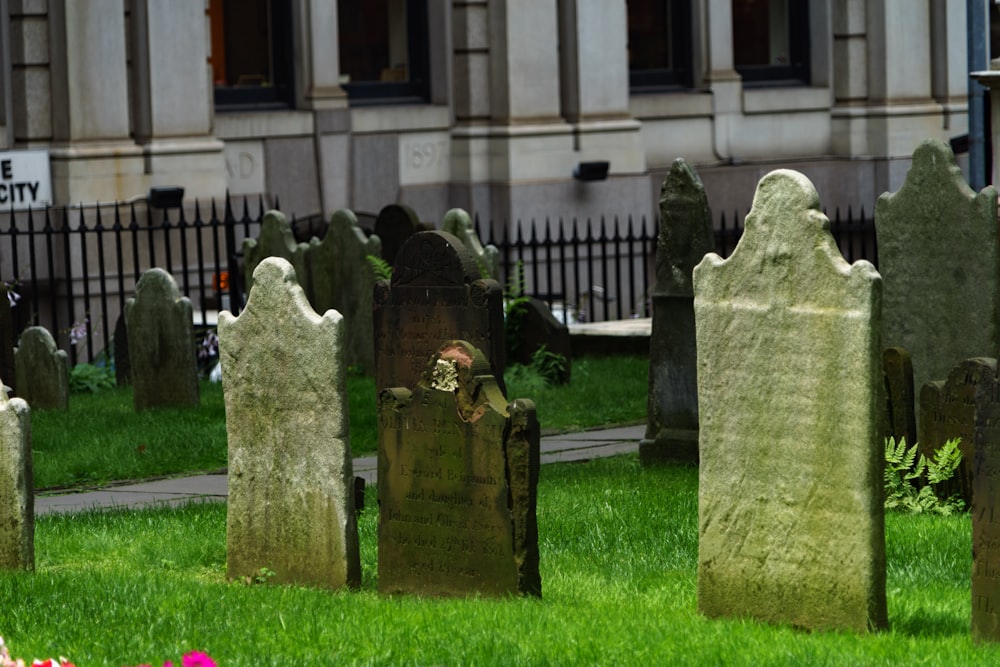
(912,483)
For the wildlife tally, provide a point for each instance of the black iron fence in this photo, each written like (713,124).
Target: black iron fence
(71,270)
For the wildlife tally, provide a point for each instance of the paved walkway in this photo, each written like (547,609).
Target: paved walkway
(554,448)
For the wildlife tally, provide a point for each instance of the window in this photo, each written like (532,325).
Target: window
(251,53)
(383,50)
(659,44)
(770,41)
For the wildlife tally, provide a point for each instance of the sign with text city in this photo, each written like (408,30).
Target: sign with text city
(25,180)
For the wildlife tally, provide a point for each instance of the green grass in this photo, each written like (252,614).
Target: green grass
(103,439)
(618,550)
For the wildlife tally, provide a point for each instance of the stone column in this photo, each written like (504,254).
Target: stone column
(722,78)
(172,96)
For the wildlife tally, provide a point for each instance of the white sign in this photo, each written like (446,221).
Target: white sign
(25,180)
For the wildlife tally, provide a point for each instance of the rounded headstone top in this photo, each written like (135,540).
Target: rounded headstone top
(434,258)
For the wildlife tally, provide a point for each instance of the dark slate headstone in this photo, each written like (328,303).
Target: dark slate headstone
(43,369)
(7,341)
(276,239)
(458,474)
(395,224)
(685,237)
(986,513)
(343,279)
(17,499)
(900,399)
(435,296)
(123,365)
(161,344)
(537,327)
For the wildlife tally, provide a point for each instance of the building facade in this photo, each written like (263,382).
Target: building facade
(505,108)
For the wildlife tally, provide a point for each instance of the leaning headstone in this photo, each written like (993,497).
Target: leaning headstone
(535,328)
(291,485)
(685,237)
(17,504)
(394,225)
(343,279)
(43,369)
(276,239)
(986,512)
(791,520)
(458,474)
(458,223)
(123,365)
(901,422)
(938,255)
(161,344)
(7,342)
(435,295)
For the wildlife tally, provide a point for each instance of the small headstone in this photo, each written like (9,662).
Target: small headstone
(435,296)
(17,504)
(938,255)
(458,473)
(790,497)
(395,224)
(986,512)
(685,237)
(123,365)
(291,485)
(898,370)
(536,328)
(276,239)
(43,369)
(458,223)
(343,279)
(161,344)
(7,342)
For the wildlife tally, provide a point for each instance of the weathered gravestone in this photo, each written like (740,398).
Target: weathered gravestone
(458,473)
(123,365)
(276,239)
(458,223)
(685,237)
(43,369)
(938,256)
(343,279)
(291,486)
(948,410)
(901,418)
(17,504)
(7,342)
(791,523)
(985,508)
(161,344)
(531,326)
(435,295)
(394,225)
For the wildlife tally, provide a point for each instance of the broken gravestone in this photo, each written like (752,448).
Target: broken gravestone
(458,473)
(43,369)
(685,237)
(291,485)
(17,504)
(161,344)
(791,516)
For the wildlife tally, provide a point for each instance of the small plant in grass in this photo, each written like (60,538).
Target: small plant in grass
(912,482)
(91,378)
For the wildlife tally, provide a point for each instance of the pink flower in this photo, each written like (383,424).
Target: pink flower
(197,659)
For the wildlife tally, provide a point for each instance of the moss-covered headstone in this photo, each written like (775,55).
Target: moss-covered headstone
(791,522)
(458,223)
(291,485)
(276,239)
(43,369)
(685,237)
(17,504)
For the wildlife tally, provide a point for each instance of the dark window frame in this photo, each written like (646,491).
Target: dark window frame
(797,73)
(681,75)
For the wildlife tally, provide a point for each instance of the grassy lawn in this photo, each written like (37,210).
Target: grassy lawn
(618,550)
(102,438)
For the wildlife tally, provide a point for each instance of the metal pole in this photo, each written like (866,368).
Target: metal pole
(977,15)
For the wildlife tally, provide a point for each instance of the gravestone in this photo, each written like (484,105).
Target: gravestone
(7,342)
(458,473)
(985,508)
(685,237)
(123,365)
(394,225)
(161,344)
(948,410)
(343,279)
(276,239)
(291,485)
(900,398)
(536,328)
(43,369)
(458,223)
(938,256)
(435,296)
(790,497)
(17,504)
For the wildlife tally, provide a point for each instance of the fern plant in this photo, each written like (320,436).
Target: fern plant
(380,267)
(912,481)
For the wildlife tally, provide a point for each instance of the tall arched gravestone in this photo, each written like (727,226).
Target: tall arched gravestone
(901,422)
(458,476)
(275,239)
(291,502)
(458,223)
(790,400)
(394,225)
(43,369)
(17,499)
(435,296)
(938,255)
(685,237)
